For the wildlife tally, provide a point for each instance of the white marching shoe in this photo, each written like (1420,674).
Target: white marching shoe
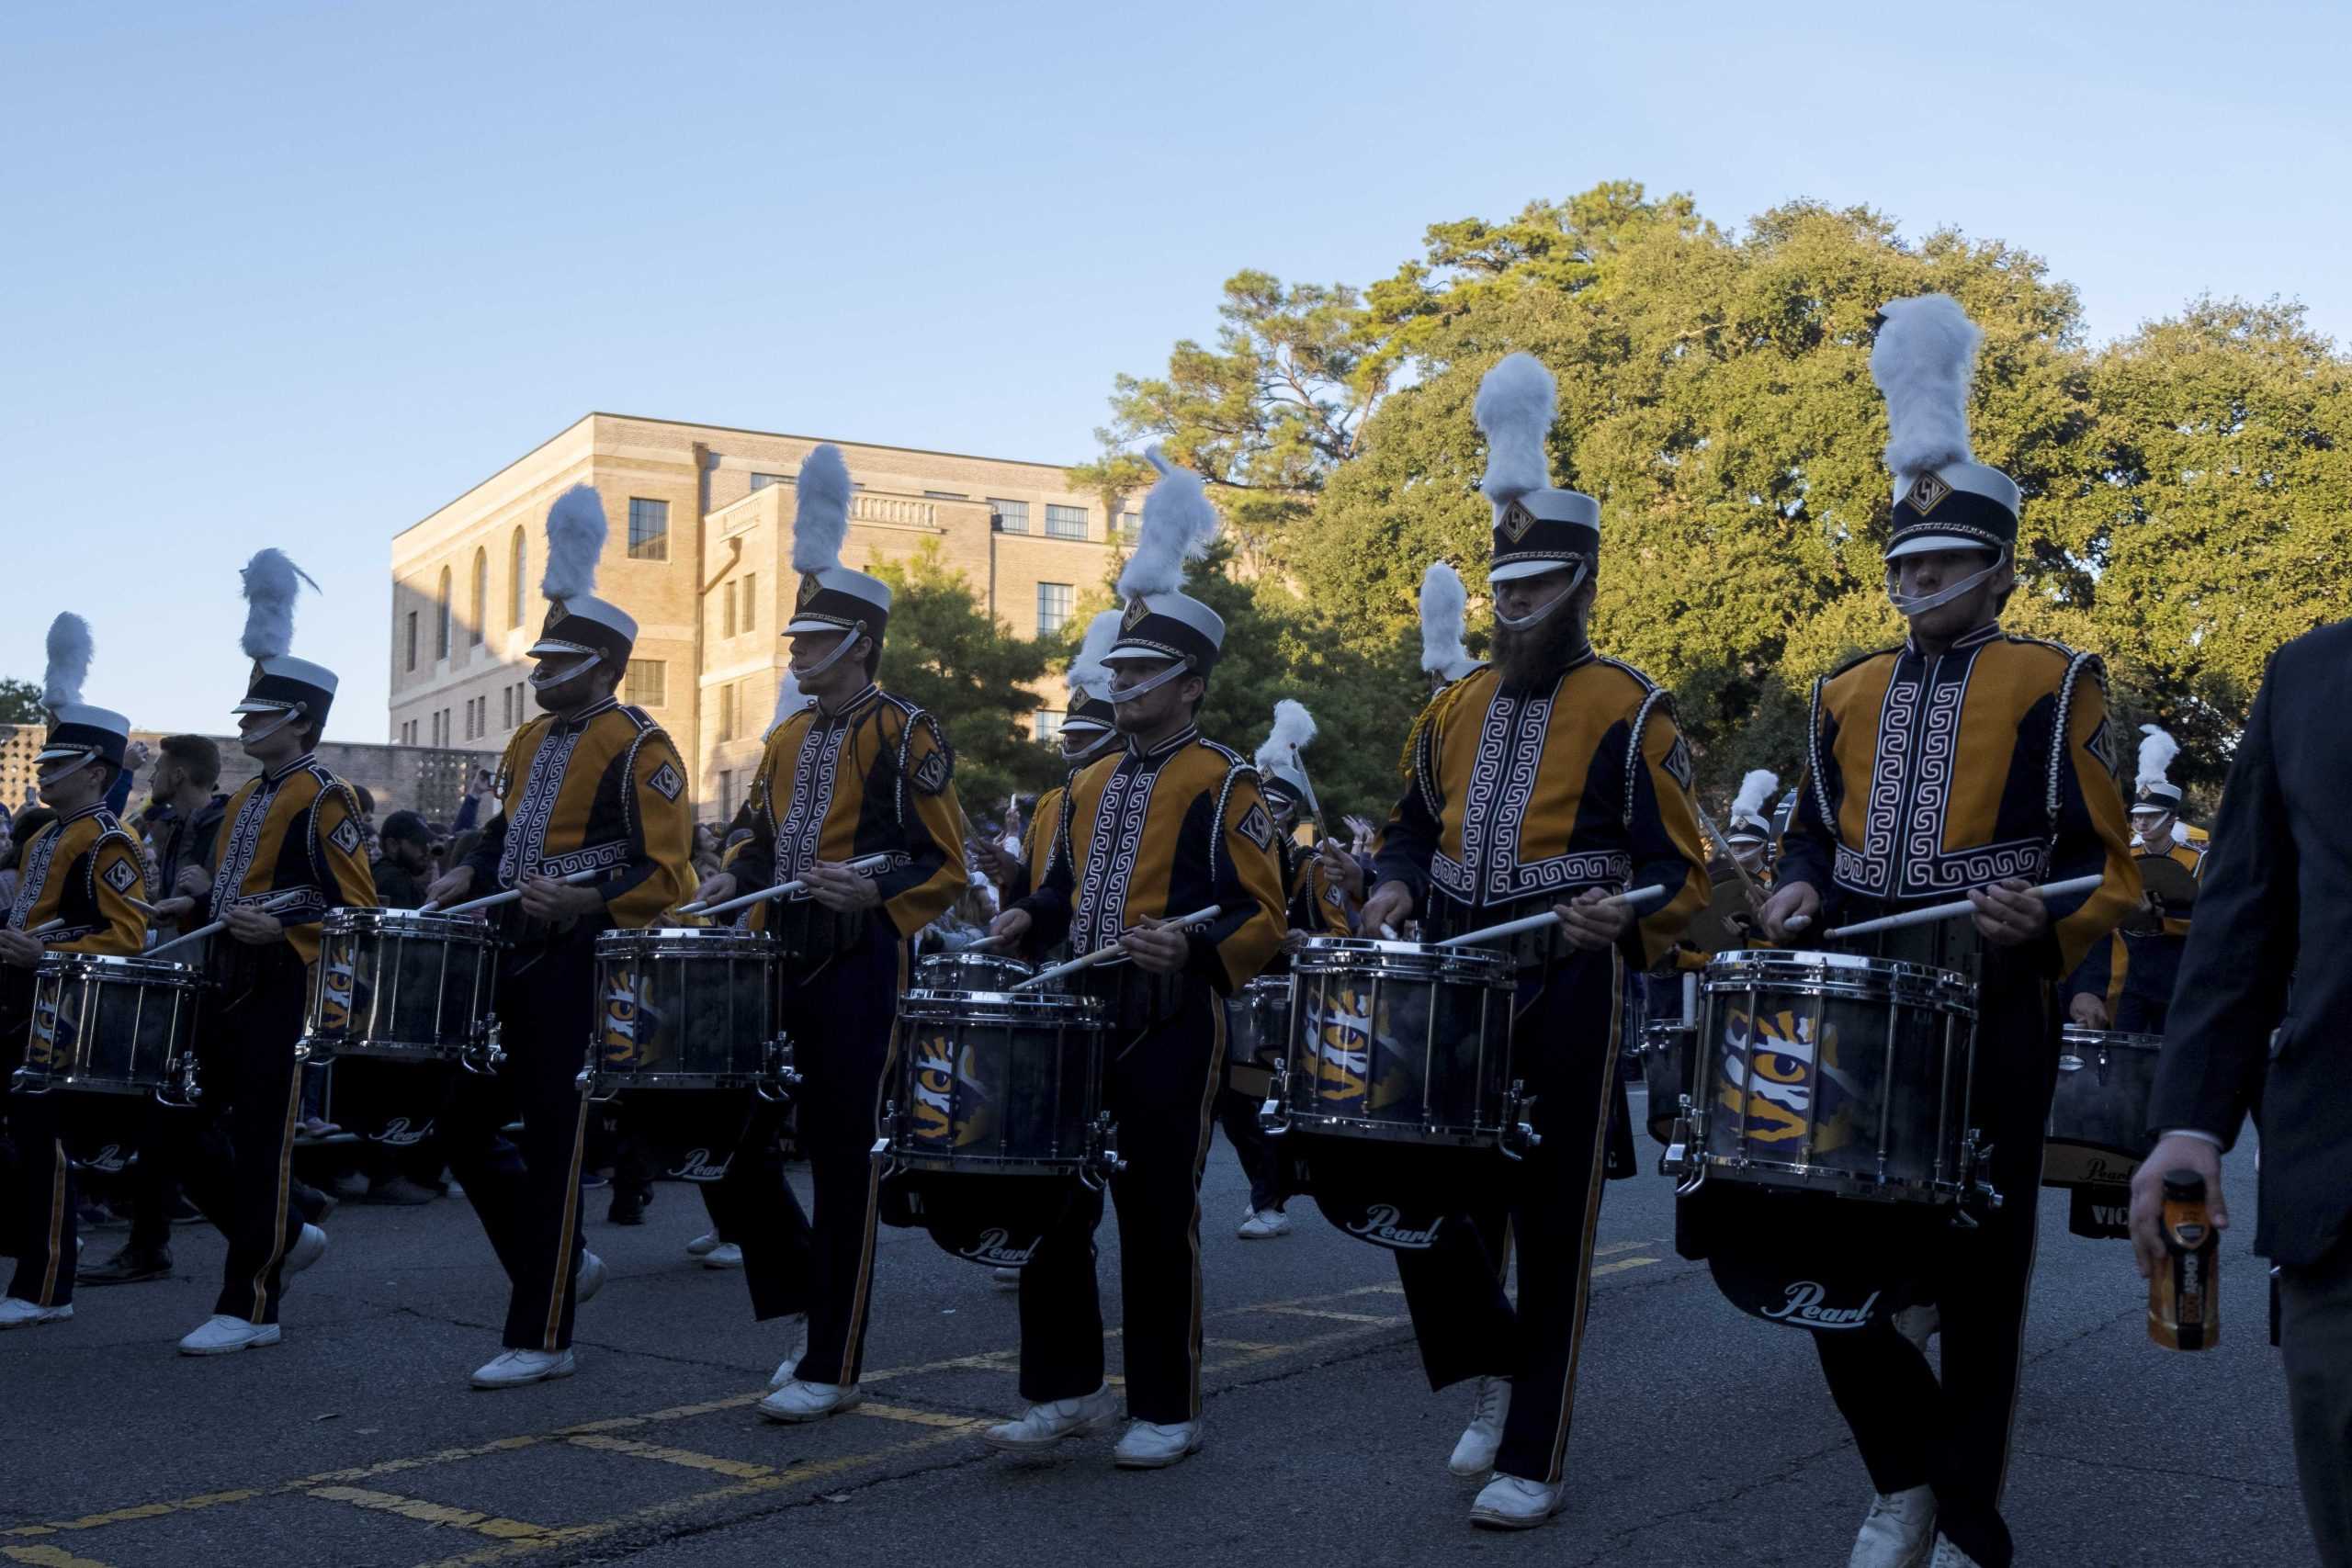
(1043,1426)
(1899,1531)
(1156,1445)
(1950,1556)
(798,1323)
(588,1280)
(1264,1224)
(219,1336)
(1507,1502)
(799,1401)
(726,1254)
(18,1313)
(512,1368)
(704,1244)
(308,1248)
(1483,1438)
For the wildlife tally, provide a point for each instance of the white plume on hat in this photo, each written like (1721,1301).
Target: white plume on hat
(1089,676)
(69,661)
(1923,363)
(1754,792)
(1294,732)
(1445,602)
(1515,404)
(2157,752)
(1179,522)
(271,582)
(789,699)
(820,522)
(576,531)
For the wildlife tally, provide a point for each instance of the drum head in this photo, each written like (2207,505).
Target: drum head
(997,1222)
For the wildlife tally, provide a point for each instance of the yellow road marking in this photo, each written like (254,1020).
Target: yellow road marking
(1616,1246)
(919,1417)
(1335,1316)
(738,1468)
(1621,1265)
(137,1511)
(48,1557)
(430,1513)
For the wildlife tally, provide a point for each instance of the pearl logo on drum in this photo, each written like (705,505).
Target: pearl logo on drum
(1380,1227)
(995,1249)
(1803,1307)
(697,1167)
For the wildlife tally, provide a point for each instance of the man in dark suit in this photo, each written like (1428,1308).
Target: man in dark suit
(2278,888)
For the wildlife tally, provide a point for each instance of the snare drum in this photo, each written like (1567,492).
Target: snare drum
(1668,1044)
(1256,1023)
(965,970)
(2098,1117)
(999,1083)
(1399,1041)
(686,1007)
(1831,1071)
(401,986)
(113,1026)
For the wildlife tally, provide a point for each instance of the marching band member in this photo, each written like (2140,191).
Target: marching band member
(288,849)
(1088,731)
(595,832)
(2126,982)
(1965,760)
(1547,779)
(1170,824)
(82,881)
(858,773)
(1748,837)
(1445,603)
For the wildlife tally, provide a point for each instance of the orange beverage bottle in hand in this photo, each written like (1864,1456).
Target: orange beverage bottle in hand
(2184,1294)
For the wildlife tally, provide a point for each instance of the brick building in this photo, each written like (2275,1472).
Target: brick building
(700,552)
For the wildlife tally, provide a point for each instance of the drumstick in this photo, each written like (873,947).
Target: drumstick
(1102,955)
(511,893)
(781,890)
(1935,912)
(1729,853)
(1637,898)
(268,906)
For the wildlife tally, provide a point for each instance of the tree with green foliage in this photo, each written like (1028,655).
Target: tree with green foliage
(944,654)
(20,703)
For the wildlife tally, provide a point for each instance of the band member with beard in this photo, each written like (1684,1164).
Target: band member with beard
(1088,731)
(594,790)
(1545,781)
(81,883)
(289,849)
(2126,982)
(1171,824)
(1964,760)
(859,774)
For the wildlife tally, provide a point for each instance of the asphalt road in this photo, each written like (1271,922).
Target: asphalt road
(1703,1437)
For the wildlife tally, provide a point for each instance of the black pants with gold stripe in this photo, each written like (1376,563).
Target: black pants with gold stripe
(1159,1087)
(528,1195)
(820,1260)
(36,1220)
(1564,1044)
(1953,1433)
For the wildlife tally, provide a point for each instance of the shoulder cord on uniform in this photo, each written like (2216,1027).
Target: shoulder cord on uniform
(1235,771)
(1813,754)
(629,791)
(2053,792)
(1650,704)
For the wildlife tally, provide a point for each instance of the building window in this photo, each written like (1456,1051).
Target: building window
(946,495)
(1065,522)
(727,616)
(506,707)
(648,529)
(726,712)
(1130,524)
(1053,606)
(647,686)
(726,795)
(441,637)
(761,482)
(517,564)
(1047,726)
(751,597)
(1012,516)
(482,598)
(412,639)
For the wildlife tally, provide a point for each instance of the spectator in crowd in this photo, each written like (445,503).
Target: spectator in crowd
(367,818)
(404,862)
(469,808)
(30,821)
(185,789)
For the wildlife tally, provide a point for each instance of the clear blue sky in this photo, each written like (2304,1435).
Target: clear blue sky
(298,275)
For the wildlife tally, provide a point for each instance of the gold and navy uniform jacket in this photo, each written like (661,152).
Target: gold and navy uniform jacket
(1316,905)
(1036,846)
(292,829)
(1145,834)
(2142,955)
(84,870)
(1517,798)
(1928,776)
(876,778)
(602,790)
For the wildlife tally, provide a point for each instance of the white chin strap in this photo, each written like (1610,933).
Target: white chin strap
(841,651)
(1537,618)
(67,771)
(284,719)
(1907,605)
(1181,668)
(547,674)
(1092,747)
